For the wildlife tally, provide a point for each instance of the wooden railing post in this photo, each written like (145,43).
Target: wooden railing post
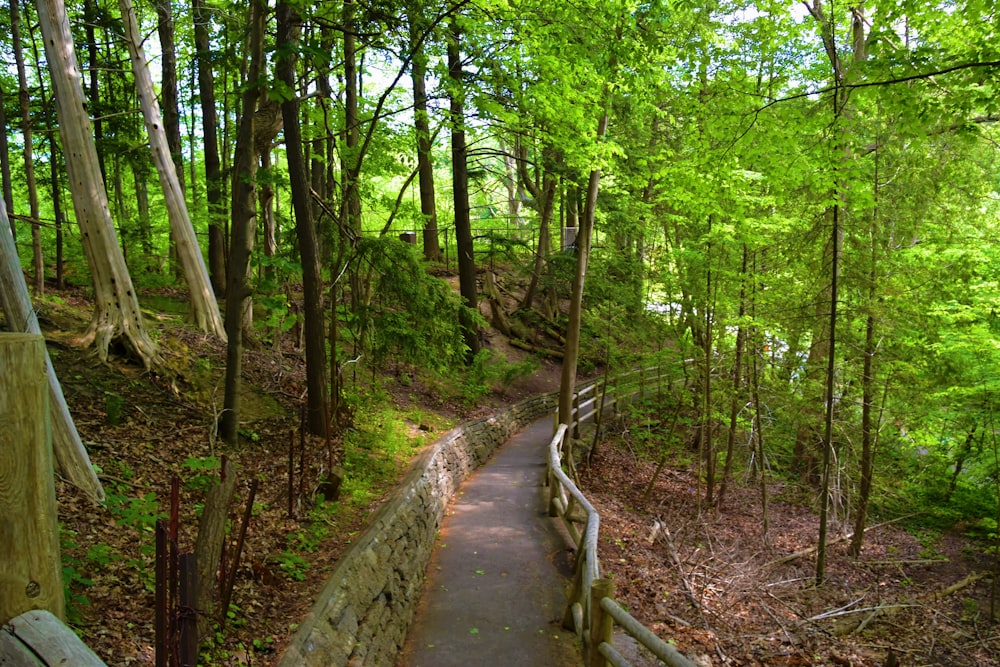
(575,596)
(601,624)
(30,564)
(575,418)
(553,493)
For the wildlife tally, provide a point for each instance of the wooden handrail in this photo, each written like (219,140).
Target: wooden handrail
(591,610)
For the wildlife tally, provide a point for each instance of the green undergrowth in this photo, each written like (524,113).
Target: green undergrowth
(381,444)
(377,451)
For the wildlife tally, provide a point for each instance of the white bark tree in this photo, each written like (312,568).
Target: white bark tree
(204,307)
(116,306)
(71,456)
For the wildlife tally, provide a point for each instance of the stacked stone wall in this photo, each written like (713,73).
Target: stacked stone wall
(365,609)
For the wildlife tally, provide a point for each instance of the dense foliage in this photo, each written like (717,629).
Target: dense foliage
(798,198)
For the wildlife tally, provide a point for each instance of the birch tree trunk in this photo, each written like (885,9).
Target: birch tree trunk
(204,307)
(71,457)
(116,307)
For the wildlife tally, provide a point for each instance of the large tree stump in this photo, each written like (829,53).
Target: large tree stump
(30,566)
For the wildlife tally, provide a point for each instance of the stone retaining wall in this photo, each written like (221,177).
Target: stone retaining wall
(367,604)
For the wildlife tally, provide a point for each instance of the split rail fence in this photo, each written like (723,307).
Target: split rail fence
(592,611)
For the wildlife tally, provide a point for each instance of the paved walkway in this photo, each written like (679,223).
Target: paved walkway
(495,588)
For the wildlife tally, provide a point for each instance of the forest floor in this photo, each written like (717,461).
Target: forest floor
(709,581)
(725,596)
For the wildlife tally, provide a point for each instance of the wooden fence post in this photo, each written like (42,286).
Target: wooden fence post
(601,624)
(30,564)
(575,417)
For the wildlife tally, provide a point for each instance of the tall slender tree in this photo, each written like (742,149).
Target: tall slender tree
(289,25)
(421,121)
(8,186)
(460,180)
(214,187)
(24,103)
(244,226)
(168,85)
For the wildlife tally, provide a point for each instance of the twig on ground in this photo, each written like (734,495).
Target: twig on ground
(839,611)
(685,583)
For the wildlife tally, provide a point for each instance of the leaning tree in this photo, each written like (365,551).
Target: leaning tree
(116,306)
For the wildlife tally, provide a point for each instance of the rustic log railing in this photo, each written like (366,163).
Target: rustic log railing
(591,610)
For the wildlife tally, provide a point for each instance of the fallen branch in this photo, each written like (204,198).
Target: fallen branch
(840,611)
(851,626)
(685,584)
(806,552)
(935,596)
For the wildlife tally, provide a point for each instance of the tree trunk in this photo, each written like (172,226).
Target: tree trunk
(460,175)
(209,546)
(90,21)
(171,115)
(765,518)
(57,210)
(168,85)
(270,231)
(116,307)
(351,159)
(824,501)
(840,100)
(8,187)
(734,401)
(568,378)
(217,251)
(421,121)
(708,407)
(544,196)
(204,308)
(140,181)
(289,23)
(515,191)
(24,103)
(243,228)
(868,433)
(71,456)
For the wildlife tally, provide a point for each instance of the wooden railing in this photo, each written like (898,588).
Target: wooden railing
(591,610)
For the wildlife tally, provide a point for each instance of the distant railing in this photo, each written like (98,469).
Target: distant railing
(592,611)
(521,239)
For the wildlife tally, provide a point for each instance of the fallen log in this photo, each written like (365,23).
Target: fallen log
(536,349)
